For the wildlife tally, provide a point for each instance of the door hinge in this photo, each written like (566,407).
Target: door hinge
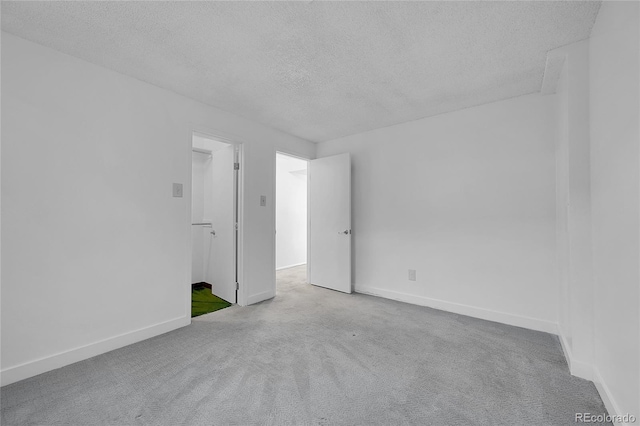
(236,166)
(236,226)
(237,286)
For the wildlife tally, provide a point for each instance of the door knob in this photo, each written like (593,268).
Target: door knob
(345,232)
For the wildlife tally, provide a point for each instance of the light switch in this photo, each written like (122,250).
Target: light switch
(177,190)
(263,200)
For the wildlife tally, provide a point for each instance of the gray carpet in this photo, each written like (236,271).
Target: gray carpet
(313,356)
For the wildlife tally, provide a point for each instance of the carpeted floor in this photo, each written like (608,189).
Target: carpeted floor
(313,356)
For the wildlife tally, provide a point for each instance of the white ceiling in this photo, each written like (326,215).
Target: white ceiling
(318,70)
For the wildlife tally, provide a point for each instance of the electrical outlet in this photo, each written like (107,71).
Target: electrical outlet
(177,190)
(263,200)
(412,274)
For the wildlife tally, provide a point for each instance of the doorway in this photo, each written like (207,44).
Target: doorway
(291,221)
(214,217)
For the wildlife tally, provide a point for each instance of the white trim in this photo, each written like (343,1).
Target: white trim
(472,311)
(259,297)
(290,266)
(605,394)
(290,153)
(565,348)
(576,368)
(42,365)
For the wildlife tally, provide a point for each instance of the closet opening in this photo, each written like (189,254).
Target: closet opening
(214,224)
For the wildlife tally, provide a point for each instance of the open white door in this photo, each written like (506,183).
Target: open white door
(330,222)
(220,266)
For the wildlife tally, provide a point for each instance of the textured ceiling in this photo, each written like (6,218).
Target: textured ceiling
(318,70)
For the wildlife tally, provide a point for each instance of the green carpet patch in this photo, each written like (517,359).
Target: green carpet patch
(203,302)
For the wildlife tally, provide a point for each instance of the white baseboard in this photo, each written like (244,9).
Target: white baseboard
(472,311)
(609,403)
(591,373)
(576,368)
(259,297)
(291,266)
(42,365)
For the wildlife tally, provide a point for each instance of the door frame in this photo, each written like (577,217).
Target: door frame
(300,156)
(238,206)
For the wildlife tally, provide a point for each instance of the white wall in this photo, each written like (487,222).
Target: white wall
(573,207)
(615,135)
(468,200)
(291,211)
(89,225)
(562,215)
